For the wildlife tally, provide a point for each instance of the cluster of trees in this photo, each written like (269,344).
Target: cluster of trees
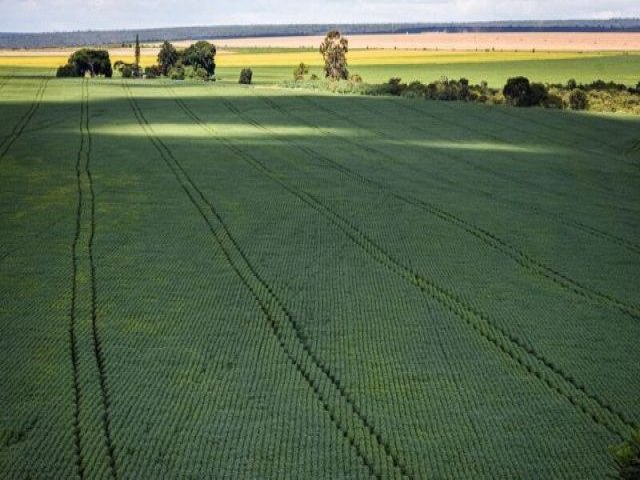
(86,60)
(198,60)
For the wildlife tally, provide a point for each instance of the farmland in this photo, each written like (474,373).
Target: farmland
(206,280)
(378,65)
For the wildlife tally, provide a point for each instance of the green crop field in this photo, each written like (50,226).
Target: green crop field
(215,281)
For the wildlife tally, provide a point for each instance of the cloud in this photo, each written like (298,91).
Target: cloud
(61,15)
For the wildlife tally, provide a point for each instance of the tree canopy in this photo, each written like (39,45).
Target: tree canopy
(167,57)
(201,54)
(96,62)
(334,50)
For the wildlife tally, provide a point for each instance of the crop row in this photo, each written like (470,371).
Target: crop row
(344,414)
(90,413)
(20,126)
(526,356)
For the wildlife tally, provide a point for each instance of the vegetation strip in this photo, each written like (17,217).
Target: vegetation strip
(381,462)
(526,356)
(491,239)
(87,207)
(19,128)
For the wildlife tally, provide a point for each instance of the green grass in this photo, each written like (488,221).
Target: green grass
(206,280)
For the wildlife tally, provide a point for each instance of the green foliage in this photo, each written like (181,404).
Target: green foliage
(201,55)
(334,50)
(578,99)
(67,70)
(95,62)
(167,57)
(176,73)
(627,457)
(246,76)
(137,55)
(300,71)
(520,93)
(152,71)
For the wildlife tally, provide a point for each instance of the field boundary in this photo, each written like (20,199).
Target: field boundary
(482,324)
(381,462)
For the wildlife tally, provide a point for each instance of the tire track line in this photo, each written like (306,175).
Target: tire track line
(19,128)
(523,354)
(367,444)
(601,234)
(593,231)
(521,257)
(85,232)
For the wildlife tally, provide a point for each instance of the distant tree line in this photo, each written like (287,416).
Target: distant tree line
(119,37)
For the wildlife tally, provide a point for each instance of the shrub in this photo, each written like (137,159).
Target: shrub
(356,78)
(571,84)
(127,71)
(176,73)
(314,77)
(578,99)
(153,71)
(553,100)
(300,71)
(246,75)
(67,70)
(520,93)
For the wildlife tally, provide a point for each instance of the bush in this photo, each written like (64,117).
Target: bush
(176,73)
(67,70)
(246,75)
(394,87)
(578,99)
(153,71)
(553,100)
(520,93)
(127,71)
(571,84)
(356,78)
(300,71)
(316,77)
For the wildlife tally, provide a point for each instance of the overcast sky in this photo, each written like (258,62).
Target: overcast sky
(63,15)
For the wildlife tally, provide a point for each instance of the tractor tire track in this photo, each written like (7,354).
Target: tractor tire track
(19,128)
(519,351)
(85,232)
(571,222)
(521,257)
(589,229)
(379,458)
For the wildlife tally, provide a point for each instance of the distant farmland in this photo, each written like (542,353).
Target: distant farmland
(203,280)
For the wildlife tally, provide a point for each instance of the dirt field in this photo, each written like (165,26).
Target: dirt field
(462,41)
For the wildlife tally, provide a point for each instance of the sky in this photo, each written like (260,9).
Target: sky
(67,15)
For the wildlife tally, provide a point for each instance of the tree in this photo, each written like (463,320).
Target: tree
(520,93)
(578,99)
(300,71)
(136,63)
(167,57)
(201,54)
(334,50)
(245,76)
(96,62)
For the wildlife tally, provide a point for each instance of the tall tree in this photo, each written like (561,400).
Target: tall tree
(136,64)
(334,50)
(201,54)
(167,57)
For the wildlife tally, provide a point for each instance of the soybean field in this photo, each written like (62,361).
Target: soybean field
(215,281)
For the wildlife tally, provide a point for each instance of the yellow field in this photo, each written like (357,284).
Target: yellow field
(356,57)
